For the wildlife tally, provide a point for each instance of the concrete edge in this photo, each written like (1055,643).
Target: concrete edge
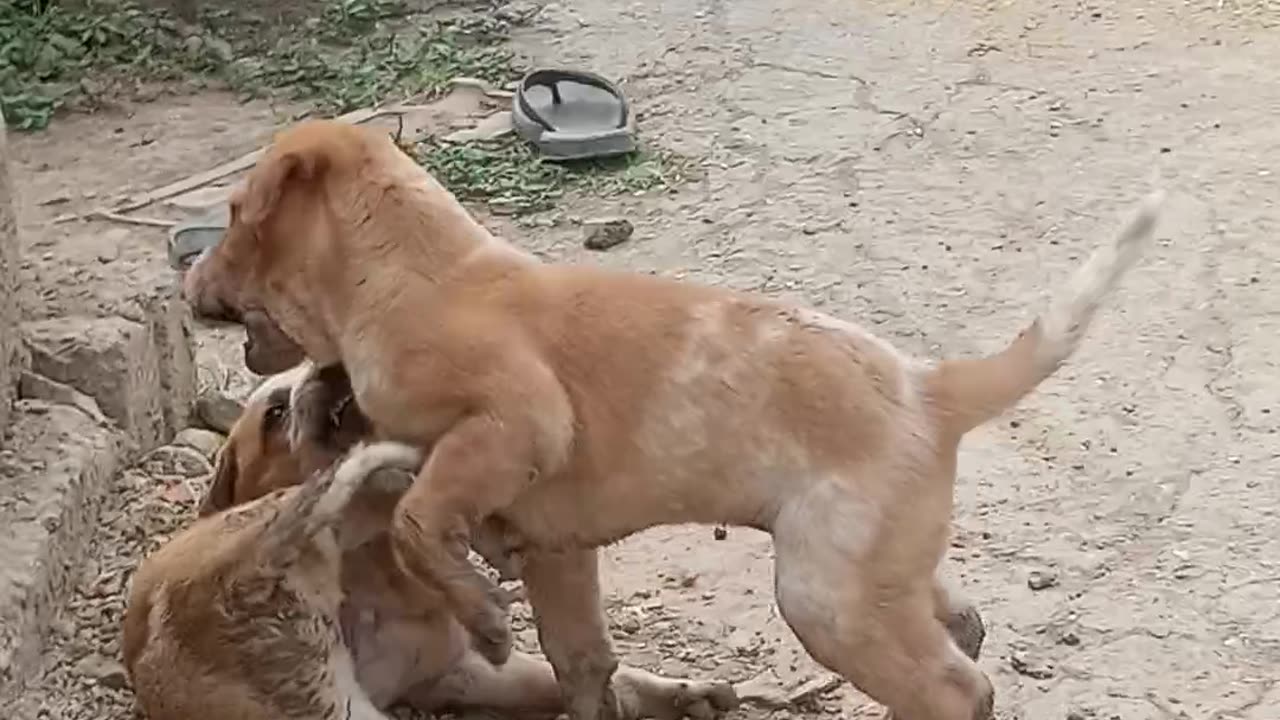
(55,478)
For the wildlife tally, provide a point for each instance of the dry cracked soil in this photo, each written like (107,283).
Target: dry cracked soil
(928,169)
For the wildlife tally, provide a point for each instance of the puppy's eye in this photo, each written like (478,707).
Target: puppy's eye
(272,418)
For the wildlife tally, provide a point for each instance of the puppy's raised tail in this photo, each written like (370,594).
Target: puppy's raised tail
(966,393)
(320,502)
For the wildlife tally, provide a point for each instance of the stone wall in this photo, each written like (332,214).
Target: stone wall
(81,398)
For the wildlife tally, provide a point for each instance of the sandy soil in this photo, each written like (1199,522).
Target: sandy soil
(928,169)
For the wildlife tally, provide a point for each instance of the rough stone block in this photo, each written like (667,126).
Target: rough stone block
(169,318)
(52,482)
(114,361)
(10,344)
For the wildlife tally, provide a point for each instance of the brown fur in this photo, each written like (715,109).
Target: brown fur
(581,405)
(216,628)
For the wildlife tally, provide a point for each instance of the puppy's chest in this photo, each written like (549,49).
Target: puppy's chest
(377,392)
(397,411)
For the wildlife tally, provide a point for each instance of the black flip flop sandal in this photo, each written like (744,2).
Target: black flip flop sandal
(573,115)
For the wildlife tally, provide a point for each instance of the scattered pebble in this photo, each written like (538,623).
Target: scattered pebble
(107,673)
(177,460)
(1025,664)
(1042,579)
(604,233)
(206,442)
(217,411)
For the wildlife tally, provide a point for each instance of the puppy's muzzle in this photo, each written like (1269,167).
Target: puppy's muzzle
(206,302)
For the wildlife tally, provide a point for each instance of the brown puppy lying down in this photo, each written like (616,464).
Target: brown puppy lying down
(282,600)
(580,405)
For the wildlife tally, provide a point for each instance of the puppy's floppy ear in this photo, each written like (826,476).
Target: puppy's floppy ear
(268,180)
(222,489)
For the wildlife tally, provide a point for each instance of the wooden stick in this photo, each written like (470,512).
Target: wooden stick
(192,182)
(101,214)
(244,162)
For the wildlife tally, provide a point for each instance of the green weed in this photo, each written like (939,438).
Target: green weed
(350,54)
(510,176)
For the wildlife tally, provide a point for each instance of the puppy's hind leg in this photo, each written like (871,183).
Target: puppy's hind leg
(525,685)
(959,615)
(873,617)
(644,695)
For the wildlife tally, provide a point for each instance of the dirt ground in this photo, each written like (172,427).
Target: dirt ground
(928,169)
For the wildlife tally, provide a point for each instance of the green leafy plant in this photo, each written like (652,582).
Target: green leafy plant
(349,54)
(510,176)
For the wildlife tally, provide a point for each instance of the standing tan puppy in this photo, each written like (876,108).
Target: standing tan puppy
(581,405)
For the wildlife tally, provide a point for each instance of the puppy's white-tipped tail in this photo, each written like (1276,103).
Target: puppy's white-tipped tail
(966,393)
(320,502)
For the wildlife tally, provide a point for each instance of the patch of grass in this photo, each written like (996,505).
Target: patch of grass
(46,52)
(510,176)
(349,54)
(361,52)
(341,55)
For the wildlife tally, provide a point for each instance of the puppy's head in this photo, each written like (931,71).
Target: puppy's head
(286,245)
(296,423)
(256,458)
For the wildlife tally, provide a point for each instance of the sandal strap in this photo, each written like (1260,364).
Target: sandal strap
(551,78)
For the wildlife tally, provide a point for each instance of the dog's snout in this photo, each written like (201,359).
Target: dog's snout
(205,301)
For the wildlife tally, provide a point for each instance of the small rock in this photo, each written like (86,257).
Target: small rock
(1042,579)
(629,624)
(604,233)
(177,460)
(217,412)
(1028,666)
(107,673)
(206,442)
(720,533)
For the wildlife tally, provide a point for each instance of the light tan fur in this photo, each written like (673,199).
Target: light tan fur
(238,617)
(580,405)
(259,582)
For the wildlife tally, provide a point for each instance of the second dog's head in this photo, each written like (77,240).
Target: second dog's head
(295,423)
